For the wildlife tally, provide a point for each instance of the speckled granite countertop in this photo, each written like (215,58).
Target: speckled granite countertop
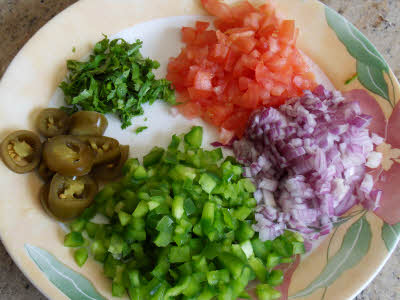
(378,19)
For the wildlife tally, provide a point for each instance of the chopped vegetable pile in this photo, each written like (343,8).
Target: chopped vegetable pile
(310,160)
(180,227)
(250,61)
(115,79)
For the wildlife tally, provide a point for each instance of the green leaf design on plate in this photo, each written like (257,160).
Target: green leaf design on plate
(370,63)
(356,43)
(372,78)
(354,247)
(390,235)
(72,284)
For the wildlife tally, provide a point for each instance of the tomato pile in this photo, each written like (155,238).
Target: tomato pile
(249,61)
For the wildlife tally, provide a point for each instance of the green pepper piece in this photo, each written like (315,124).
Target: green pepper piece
(273,260)
(118,290)
(275,278)
(207,183)
(207,293)
(194,137)
(266,292)
(179,254)
(231,262)
(124,218)
(175,141)
(91,229)
(182,173)
(179,287)
(242,213)
(106,193)
(260,249)
(244,232)
(98,250)
(73,239)
(177,207)
(117,245)
(130,166)
(218,276)
(110,266)
(141,210)
(78,225)
(153,157)
(80,256)
(259,269)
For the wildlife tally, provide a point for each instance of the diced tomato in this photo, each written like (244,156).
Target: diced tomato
(190,109)
(276,64)
(244,83)
(176,79)
(287,31)
(255,53)
(262,73)
(246,44)
(237,122)
(223,38)
(251,97)
(196,94)
(231,60)
(202,26)
(242,32)
(189,80)
(188,35)
(241,69)
(243,8)
(197,54)
(204,38)
(277,90)
(217,113)
(251,61)
(202,80)
(226,24)
(217,8)
(253,20)
(218,53)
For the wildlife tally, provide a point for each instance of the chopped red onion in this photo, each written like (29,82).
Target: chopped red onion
(309,161)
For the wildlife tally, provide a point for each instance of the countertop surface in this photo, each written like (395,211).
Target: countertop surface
(379,20)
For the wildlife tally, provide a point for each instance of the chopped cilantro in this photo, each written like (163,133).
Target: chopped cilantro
(140,129)
(115,79)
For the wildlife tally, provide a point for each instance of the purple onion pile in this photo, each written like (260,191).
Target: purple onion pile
(309,160)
